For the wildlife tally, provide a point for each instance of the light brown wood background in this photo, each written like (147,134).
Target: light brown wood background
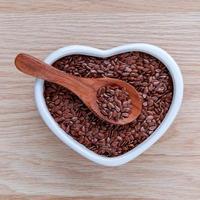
(34,164)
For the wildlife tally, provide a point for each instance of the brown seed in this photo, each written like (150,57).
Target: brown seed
(111,105)
(150,102)
(125,115)
(57,101)
(145,104)
(127,110)
(117,108)
(152,128)
(59,112)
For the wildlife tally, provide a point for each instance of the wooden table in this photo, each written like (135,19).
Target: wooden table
(34,164)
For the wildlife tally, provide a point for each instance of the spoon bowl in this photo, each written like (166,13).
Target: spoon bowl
(85,88)
(91,100)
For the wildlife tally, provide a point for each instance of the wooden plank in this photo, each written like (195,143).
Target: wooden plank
(34,163)
(94,6)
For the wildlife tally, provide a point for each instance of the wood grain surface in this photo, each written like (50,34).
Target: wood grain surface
(34,164)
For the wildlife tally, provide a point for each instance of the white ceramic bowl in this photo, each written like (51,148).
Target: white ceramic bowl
(157,52)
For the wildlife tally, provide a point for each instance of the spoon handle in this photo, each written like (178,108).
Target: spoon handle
(34,67)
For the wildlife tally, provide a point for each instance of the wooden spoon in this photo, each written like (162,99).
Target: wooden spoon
(85,88)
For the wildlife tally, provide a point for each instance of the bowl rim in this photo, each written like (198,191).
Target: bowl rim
(153,50)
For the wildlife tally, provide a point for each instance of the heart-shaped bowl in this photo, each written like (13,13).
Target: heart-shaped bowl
(158,53)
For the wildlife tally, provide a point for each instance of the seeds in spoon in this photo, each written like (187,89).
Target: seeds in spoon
(114,102)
